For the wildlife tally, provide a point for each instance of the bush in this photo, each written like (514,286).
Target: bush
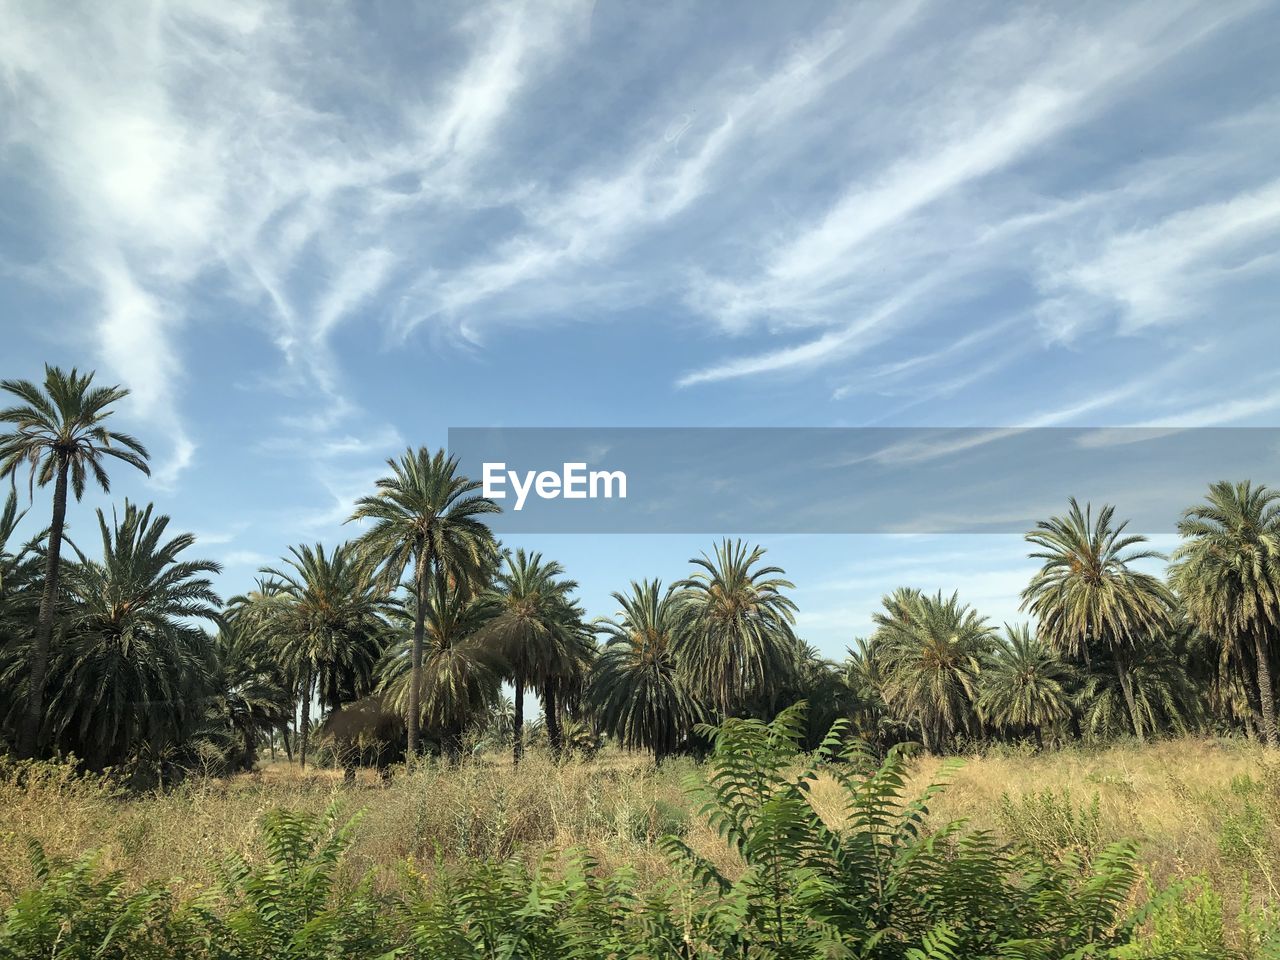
(881,887)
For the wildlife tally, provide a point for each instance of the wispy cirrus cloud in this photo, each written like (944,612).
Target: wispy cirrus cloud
(189,139)
(819,275)
(584,226)
(376,219)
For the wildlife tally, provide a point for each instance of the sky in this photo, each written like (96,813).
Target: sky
(307,236)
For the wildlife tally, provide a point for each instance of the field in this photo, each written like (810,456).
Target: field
(1196,807)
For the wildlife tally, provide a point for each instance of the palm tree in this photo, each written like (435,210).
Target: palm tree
(822,684)
(932,652)
(60,434)
(133,669)
(18,568)
(864,676)
(497,723)
(253,695)
(739,644)
(255,615)
(1087,597)
(640,694)
(536,629)
(1025,684)
(1160,685)
(564,689)
(1227,573)
(328,624)
(461,674)
(426,517)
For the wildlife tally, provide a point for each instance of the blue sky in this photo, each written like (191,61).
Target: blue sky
(309,235)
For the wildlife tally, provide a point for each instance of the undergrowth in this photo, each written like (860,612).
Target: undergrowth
(882,884)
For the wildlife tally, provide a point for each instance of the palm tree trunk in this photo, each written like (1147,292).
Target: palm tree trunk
(1266,692)
(517,723)
(250,748)
(1123,676)
(288,745)
(419,636)
(304,726)
(34,718)
(552,710)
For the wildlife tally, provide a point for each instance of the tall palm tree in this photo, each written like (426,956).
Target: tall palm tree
(461,674)
(933,651)
(134,669)
(425,518)
(328,623)
(1026,684)
(640,695)
(59,433)
(740,643)
(1227,573)
(1088,598)
(536,628)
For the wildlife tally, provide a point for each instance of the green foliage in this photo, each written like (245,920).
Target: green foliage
(932,651)
(1087,596)
(642,696)
(1051,825)
(1227,574)
(77,911)
(425,520)
(739,644)
(881,886)
(1025,685)
(460,673)
(133,670)
(538,631)
(283,908)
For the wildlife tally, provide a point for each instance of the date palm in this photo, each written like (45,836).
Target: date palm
(1160,685)
(328,625)
(864,676)
(426,519)
(740,643)
(59,432)
(461,674)
(536,629)
(19,573)
(1026,685)
(253,694)
(1088,598)
(640,695)
(134,669)
(1227,573)
(563,690)
(932,652)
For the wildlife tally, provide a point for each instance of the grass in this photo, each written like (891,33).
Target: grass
(1196,807)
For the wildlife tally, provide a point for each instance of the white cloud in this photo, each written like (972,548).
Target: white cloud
(189,137)
(597,214)
(874,229)
(1161,272)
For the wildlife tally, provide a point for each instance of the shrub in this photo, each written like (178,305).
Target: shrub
(880,887)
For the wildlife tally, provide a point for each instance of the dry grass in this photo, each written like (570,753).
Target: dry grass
(1175,798)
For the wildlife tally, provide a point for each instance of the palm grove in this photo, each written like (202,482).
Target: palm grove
(115,648)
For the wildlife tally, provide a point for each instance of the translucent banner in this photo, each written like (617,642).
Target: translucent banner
(849,480)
